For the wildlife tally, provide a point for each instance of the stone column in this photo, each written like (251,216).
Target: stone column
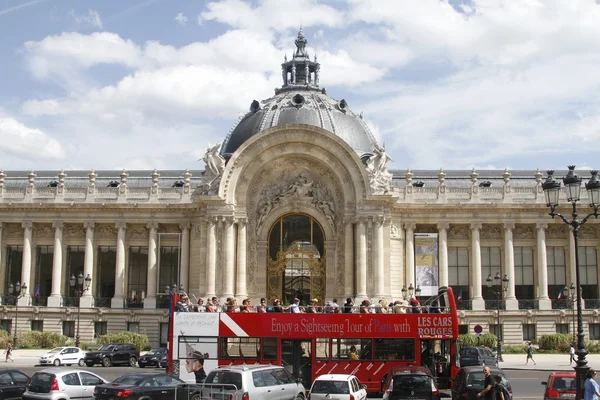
(211,258)
(241,291)
(55,296)
(26,263)
(378,259)
(150,300)
(512,303)
(477,300)
(443,242)
(118,301)
(542,268)
(229,254)
(361,261)
(410,254)
(184,272)
(349,288)
(87,299)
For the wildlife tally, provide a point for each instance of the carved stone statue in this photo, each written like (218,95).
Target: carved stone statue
(300,187)
(380,178)
(215,165)
(328,208)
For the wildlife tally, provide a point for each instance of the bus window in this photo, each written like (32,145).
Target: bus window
(269,349)
(322,349)
(240,347)
(351,349)
(395,349)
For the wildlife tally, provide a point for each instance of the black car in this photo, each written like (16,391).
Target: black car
(470,380)
(410,382)
(152,358)
(113,354)
(477,356)
(139,386)
(164,362)
(12,384)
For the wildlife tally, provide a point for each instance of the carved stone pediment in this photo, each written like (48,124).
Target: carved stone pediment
(556,231)
(137,232)
(169,228)
(491,232)
(523,232)
(426,228)
(14,230)
(43,231)
(588,232)
(459,232)
(106,231)
(74,230)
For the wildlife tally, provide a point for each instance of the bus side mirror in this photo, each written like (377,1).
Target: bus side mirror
(544,383)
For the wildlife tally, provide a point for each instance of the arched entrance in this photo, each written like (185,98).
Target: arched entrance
(296,259)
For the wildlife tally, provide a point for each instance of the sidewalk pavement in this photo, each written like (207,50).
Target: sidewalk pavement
(545,362)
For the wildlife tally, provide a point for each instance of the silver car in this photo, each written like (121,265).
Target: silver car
(63,384)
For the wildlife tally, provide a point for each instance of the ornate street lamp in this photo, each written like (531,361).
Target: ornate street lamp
(404,292)
(16,292)
(411,290)
(502,287)
(572,184)
(80,291)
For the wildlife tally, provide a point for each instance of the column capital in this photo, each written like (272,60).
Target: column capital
(241,221)
(370,222)
(476,226)
(360,220)
(27,224)
(58,224)
(509,226)
(541,226)
(89,224)
(152,225)
(185,225)
(443,226)
(212,221)
(121,225)
(409,226)
(379,220)
(228,220)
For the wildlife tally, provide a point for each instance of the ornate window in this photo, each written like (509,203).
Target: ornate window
(296,259)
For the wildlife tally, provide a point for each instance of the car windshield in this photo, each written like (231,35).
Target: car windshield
(224,378)
(468,352)
(402,382)
(476,379)
(330,387)
(126,380)
(106,347)
(56,350)
(155,352)
(564,383)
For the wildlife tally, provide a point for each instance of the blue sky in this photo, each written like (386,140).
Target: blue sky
(143,84)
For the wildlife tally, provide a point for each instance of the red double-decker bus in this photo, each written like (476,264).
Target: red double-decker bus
(309,345)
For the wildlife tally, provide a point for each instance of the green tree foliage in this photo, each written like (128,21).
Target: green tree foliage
(139,340)
(486,340)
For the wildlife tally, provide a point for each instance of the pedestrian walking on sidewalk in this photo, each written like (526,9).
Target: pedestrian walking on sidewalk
(591,388)
(572,353)
(8,352)
(530,354)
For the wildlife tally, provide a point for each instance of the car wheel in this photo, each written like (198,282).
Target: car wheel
(89,364)
(132,361)
(81,363)
(106,362)
(299,397)
(142,366)
(56,363)
(196,397)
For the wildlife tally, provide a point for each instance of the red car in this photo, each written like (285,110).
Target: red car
(560,385)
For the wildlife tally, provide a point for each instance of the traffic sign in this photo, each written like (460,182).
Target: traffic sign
(478,329)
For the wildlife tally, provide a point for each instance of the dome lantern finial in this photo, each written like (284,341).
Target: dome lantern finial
(301,43)
(299,72)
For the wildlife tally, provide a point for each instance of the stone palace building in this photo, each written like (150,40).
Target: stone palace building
(297,201)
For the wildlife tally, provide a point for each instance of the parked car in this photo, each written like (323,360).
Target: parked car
(62,384)
(164,362)
(147,386)
(338,386)
(252,381)
(63,356)
(12,384)
(560,385)
(410,382)
(152,358)
(469,381)
(477,356)
(113,354)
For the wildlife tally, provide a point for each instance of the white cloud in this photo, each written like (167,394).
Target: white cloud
(181,18)
(19,140)
(92,19)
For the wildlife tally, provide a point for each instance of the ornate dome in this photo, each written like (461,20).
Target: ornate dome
(300,100)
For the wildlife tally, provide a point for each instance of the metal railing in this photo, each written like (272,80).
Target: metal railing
(206,391)
(495,304)
(8,300)
(134,303)
(39,301)
(592,304)
(529,304)
(70,301)
(102,302)
(162,301)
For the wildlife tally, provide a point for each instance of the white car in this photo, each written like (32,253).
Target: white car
(63,356)
(338,386)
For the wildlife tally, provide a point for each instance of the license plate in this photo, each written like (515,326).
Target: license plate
(567,395)
(220,396)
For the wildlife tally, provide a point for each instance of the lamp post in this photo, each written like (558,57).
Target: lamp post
(572,298)
(17,291)
(551,189)
(502,284)
(80,291)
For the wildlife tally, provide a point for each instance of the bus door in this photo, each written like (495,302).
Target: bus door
(296,357)
(435,355)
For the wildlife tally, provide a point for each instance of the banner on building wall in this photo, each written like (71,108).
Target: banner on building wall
(426,263)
